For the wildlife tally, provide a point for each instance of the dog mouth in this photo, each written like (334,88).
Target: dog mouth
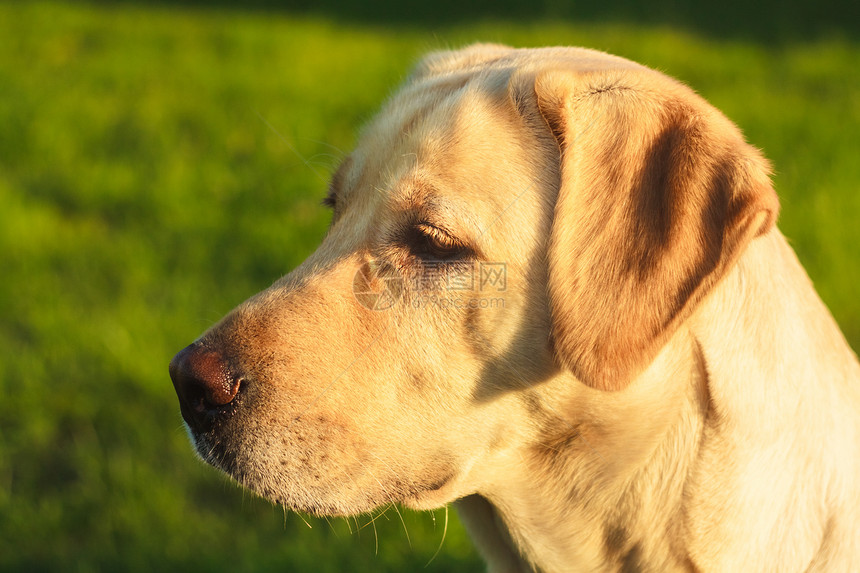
(297,489)
(210,429)
(320,462)
(290,476)
(205,425)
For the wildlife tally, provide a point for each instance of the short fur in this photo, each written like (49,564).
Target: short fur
(657,388)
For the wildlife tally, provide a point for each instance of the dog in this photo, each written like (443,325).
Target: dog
(552,294)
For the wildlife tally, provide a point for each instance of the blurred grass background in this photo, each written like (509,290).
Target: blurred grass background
(143,195)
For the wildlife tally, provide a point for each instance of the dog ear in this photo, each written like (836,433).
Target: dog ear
(658,197)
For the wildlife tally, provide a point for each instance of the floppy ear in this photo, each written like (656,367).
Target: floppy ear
(659,195)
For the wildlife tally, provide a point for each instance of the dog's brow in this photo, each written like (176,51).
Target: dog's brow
(427,203)
(421,194)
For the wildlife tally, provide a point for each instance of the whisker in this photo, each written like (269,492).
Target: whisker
(444,534)
(405,529)
(331,526)
(382,513)
(375,538)
(335,147)
(292,147)
(302,517)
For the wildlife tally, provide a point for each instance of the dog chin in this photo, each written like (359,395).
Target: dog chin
(291,493)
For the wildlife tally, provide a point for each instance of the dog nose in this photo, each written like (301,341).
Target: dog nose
(204,384)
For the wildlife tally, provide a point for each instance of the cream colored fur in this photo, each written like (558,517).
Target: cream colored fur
(661,389)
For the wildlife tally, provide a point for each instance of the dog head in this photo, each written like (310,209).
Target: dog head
(515,229)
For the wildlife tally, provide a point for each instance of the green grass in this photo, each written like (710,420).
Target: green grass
(143,194)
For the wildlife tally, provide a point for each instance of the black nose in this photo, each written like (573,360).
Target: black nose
(204,383)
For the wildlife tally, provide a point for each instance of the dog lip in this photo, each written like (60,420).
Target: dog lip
(203,419)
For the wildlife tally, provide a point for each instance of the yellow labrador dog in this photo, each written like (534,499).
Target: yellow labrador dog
(552,293)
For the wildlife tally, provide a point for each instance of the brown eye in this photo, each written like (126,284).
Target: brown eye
(433,243)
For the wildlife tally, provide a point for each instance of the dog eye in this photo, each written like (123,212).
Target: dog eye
(431,242)
(330,200)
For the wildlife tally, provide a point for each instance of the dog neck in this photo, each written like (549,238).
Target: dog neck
(652,476)
(776,360)
(600,483)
